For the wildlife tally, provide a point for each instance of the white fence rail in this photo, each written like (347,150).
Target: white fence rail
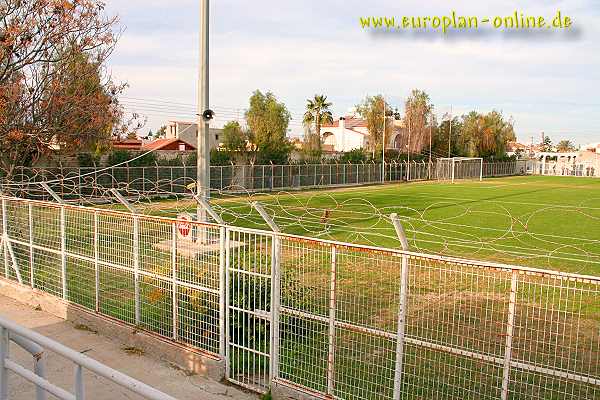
(333,319)
(78,182)
(36,344)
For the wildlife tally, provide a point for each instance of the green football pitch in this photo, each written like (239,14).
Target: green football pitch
(543,222)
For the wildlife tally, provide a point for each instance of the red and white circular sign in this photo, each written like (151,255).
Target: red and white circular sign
(184,226)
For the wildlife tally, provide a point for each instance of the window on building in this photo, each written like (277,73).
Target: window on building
(181,146)
(216,137)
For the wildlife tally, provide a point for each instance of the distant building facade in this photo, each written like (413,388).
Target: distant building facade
(187,131)
(351,132)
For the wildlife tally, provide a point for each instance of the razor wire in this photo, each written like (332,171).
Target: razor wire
(340,216)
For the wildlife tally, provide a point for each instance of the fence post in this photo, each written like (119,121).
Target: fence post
(79,387)
(509,333)
(4,347)
(224,293)
(31,252)
(5,237)
(157,178)
(332,310)
(136,251)
(96,262)
(223,265)
(63,251)
(136,267)
(171,174)
(275,289)
(78,193)
(400,335)
(275,303)
(174,276)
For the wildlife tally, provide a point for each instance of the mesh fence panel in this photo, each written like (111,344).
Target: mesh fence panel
(345,321)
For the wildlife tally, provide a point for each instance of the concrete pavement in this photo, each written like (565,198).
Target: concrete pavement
(160,374)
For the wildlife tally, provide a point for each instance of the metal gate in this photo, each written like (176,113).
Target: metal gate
(252,268)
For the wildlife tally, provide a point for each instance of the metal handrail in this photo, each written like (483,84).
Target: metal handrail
(34,343)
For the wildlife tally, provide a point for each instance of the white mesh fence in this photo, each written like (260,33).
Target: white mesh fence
(329,318)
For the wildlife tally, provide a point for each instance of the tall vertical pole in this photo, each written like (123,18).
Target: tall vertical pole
(203,172)
(450,133)
(402,309)
(408,150)
(430,124)
(429,165)
(383,145)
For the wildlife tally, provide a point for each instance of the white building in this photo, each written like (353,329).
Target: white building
(578,163)
(188,132)
(593,147)
(347,133)
(350,132)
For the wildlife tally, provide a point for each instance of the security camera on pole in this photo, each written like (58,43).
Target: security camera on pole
(204,117)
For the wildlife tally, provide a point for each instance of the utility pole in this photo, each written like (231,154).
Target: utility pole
(450,133)
(531,148)
(204,116)
(383,145)
(430,124)
(408,150)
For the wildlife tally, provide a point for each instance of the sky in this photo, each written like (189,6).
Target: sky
(547,81)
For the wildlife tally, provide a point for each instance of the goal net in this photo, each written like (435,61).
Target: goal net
(457,168)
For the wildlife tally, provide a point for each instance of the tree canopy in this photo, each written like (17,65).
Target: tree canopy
(372,109)
(268,121)
(317,113)
(54,92)
(234,138)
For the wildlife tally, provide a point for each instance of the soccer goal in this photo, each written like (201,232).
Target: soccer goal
(455,168)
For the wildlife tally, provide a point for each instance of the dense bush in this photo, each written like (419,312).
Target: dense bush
(87,160)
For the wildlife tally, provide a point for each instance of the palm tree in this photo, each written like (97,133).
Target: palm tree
(565,146)
(317,113)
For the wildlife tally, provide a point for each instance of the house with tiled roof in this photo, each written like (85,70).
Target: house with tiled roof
(126,144)
(172,144)
(345,134)
(187,131)
(351,132)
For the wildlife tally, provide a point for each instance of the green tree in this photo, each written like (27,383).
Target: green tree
(160,133)
(54,90)
(472,131)
(234,137)
(268,121)
(448,138)
(417,115)
(485,135)
(354,156)
(317,113)
(372,109)
(546,144)
(565,146)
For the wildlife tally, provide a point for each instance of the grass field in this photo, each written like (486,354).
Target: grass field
(544,222)
(541,222)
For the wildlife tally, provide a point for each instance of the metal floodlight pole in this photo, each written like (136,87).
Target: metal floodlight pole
(408,150)
(383,145)
(450,132)
(203,149)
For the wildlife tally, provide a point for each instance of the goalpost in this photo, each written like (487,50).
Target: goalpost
(457,168)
